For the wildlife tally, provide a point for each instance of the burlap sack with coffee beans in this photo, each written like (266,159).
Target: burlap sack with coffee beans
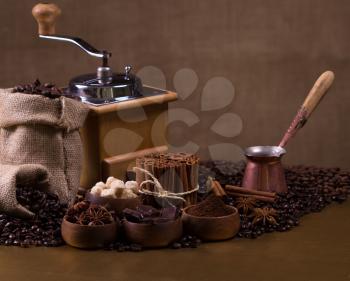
(39,142)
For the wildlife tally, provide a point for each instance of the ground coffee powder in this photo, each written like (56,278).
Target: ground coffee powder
(212,206)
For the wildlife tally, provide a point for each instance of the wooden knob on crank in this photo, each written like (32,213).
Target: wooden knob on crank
(45,15)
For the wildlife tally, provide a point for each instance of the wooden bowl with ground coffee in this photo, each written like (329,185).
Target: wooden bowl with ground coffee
(211,220)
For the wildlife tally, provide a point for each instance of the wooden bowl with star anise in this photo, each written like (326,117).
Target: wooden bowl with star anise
(211,228)
(89,226)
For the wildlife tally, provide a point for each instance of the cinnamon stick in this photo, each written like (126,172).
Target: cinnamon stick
(257,197)
(217,189)
(237,189)
(188,166)
(179,184)
(184,177)
(172,178)
(195,176)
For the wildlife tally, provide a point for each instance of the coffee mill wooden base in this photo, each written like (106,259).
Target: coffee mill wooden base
(111,133)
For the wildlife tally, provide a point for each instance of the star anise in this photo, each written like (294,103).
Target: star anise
(97,215)
(82,219)
(264,215)
(245,204)
(85,213)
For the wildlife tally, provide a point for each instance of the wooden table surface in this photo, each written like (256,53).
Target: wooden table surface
(319,249)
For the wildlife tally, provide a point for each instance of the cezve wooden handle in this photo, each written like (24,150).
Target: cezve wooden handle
(46,15)
(320,88)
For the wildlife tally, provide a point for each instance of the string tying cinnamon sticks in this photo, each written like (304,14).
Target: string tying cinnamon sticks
(159,190)
(176,172)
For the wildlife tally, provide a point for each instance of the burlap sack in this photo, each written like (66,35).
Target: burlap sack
(39,140)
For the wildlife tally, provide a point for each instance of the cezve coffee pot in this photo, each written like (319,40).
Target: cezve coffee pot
(264,169)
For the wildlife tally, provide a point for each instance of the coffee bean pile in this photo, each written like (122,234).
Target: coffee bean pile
(43,229)
(310,189)
(223,171)
(48,90)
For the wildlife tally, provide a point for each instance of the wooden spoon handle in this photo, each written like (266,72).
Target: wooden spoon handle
(318,91)
(46,15)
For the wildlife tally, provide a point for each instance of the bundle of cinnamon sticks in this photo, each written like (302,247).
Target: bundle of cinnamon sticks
(176,172)
(237,191)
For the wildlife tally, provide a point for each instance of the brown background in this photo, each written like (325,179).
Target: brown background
(271,50)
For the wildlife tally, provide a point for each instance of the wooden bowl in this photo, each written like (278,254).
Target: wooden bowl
(211,228)
(88,237)
(153,235)
(115,204)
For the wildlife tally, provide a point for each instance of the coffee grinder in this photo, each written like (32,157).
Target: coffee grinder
(127,119)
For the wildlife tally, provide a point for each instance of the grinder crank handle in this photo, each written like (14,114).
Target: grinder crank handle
(317,92)
(46,15)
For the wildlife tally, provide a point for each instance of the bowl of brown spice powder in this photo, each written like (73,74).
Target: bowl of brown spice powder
(211,220)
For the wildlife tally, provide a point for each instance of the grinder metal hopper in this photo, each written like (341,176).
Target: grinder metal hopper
(111,97)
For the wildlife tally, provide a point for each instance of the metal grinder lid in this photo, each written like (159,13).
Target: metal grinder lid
(106,85)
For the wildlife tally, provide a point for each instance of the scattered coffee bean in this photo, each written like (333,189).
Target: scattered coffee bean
(122,246)
(176,245)
(135,248)
(47,90)
(187,241)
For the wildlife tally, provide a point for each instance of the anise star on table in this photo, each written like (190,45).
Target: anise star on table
(264,215)
(245,204)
